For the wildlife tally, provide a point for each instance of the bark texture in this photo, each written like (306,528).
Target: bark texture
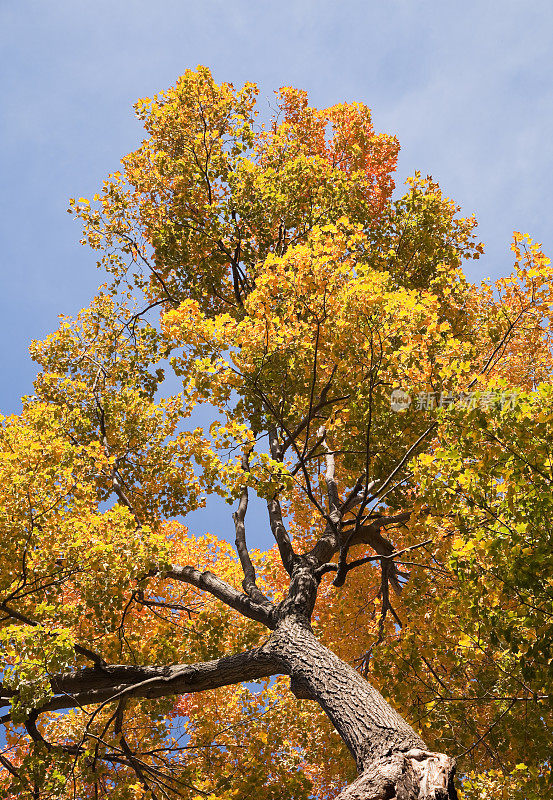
(393,761)
(108,683)
(414,775)
(369,726)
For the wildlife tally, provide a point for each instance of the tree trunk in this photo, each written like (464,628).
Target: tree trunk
(393,761)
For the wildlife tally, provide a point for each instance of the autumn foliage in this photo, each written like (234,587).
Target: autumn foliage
(266,292)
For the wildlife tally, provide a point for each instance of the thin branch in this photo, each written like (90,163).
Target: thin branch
(158,277)
(132,760)
(360,561)
(488,731)
(79,648)
(329,567)
(408,455)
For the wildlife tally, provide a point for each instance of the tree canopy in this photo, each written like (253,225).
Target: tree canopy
(268,295)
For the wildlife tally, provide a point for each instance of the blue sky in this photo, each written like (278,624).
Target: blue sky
(466,87)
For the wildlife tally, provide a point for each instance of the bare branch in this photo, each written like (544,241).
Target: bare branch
(330,480)
(280,533)
(208,582)
(293,435)
(90,686)
(7,764)
(287,554)
(401,463)
(249,583)
(136,250)
(370,534)
(132,760)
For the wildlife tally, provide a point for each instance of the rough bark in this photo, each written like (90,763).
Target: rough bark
(369,726)
(392,759)
(414,775)
(111,682)
(208,582)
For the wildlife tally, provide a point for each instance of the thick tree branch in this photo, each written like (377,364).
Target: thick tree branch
(208,582)
(327,545)
(280,533)
(90,686)
(249,583)
(287,554)
(330,480)
(330,541)
(370,534)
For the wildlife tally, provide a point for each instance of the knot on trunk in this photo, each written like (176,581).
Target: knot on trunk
(427,776)
(300,689)
(414,775)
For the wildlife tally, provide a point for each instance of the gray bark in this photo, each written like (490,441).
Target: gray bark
(392,759)
(110,682)
(369,726)
(414,775)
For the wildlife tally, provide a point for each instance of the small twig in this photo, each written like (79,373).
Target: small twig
(491,727)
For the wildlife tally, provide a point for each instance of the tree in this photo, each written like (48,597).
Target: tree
(409,593)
